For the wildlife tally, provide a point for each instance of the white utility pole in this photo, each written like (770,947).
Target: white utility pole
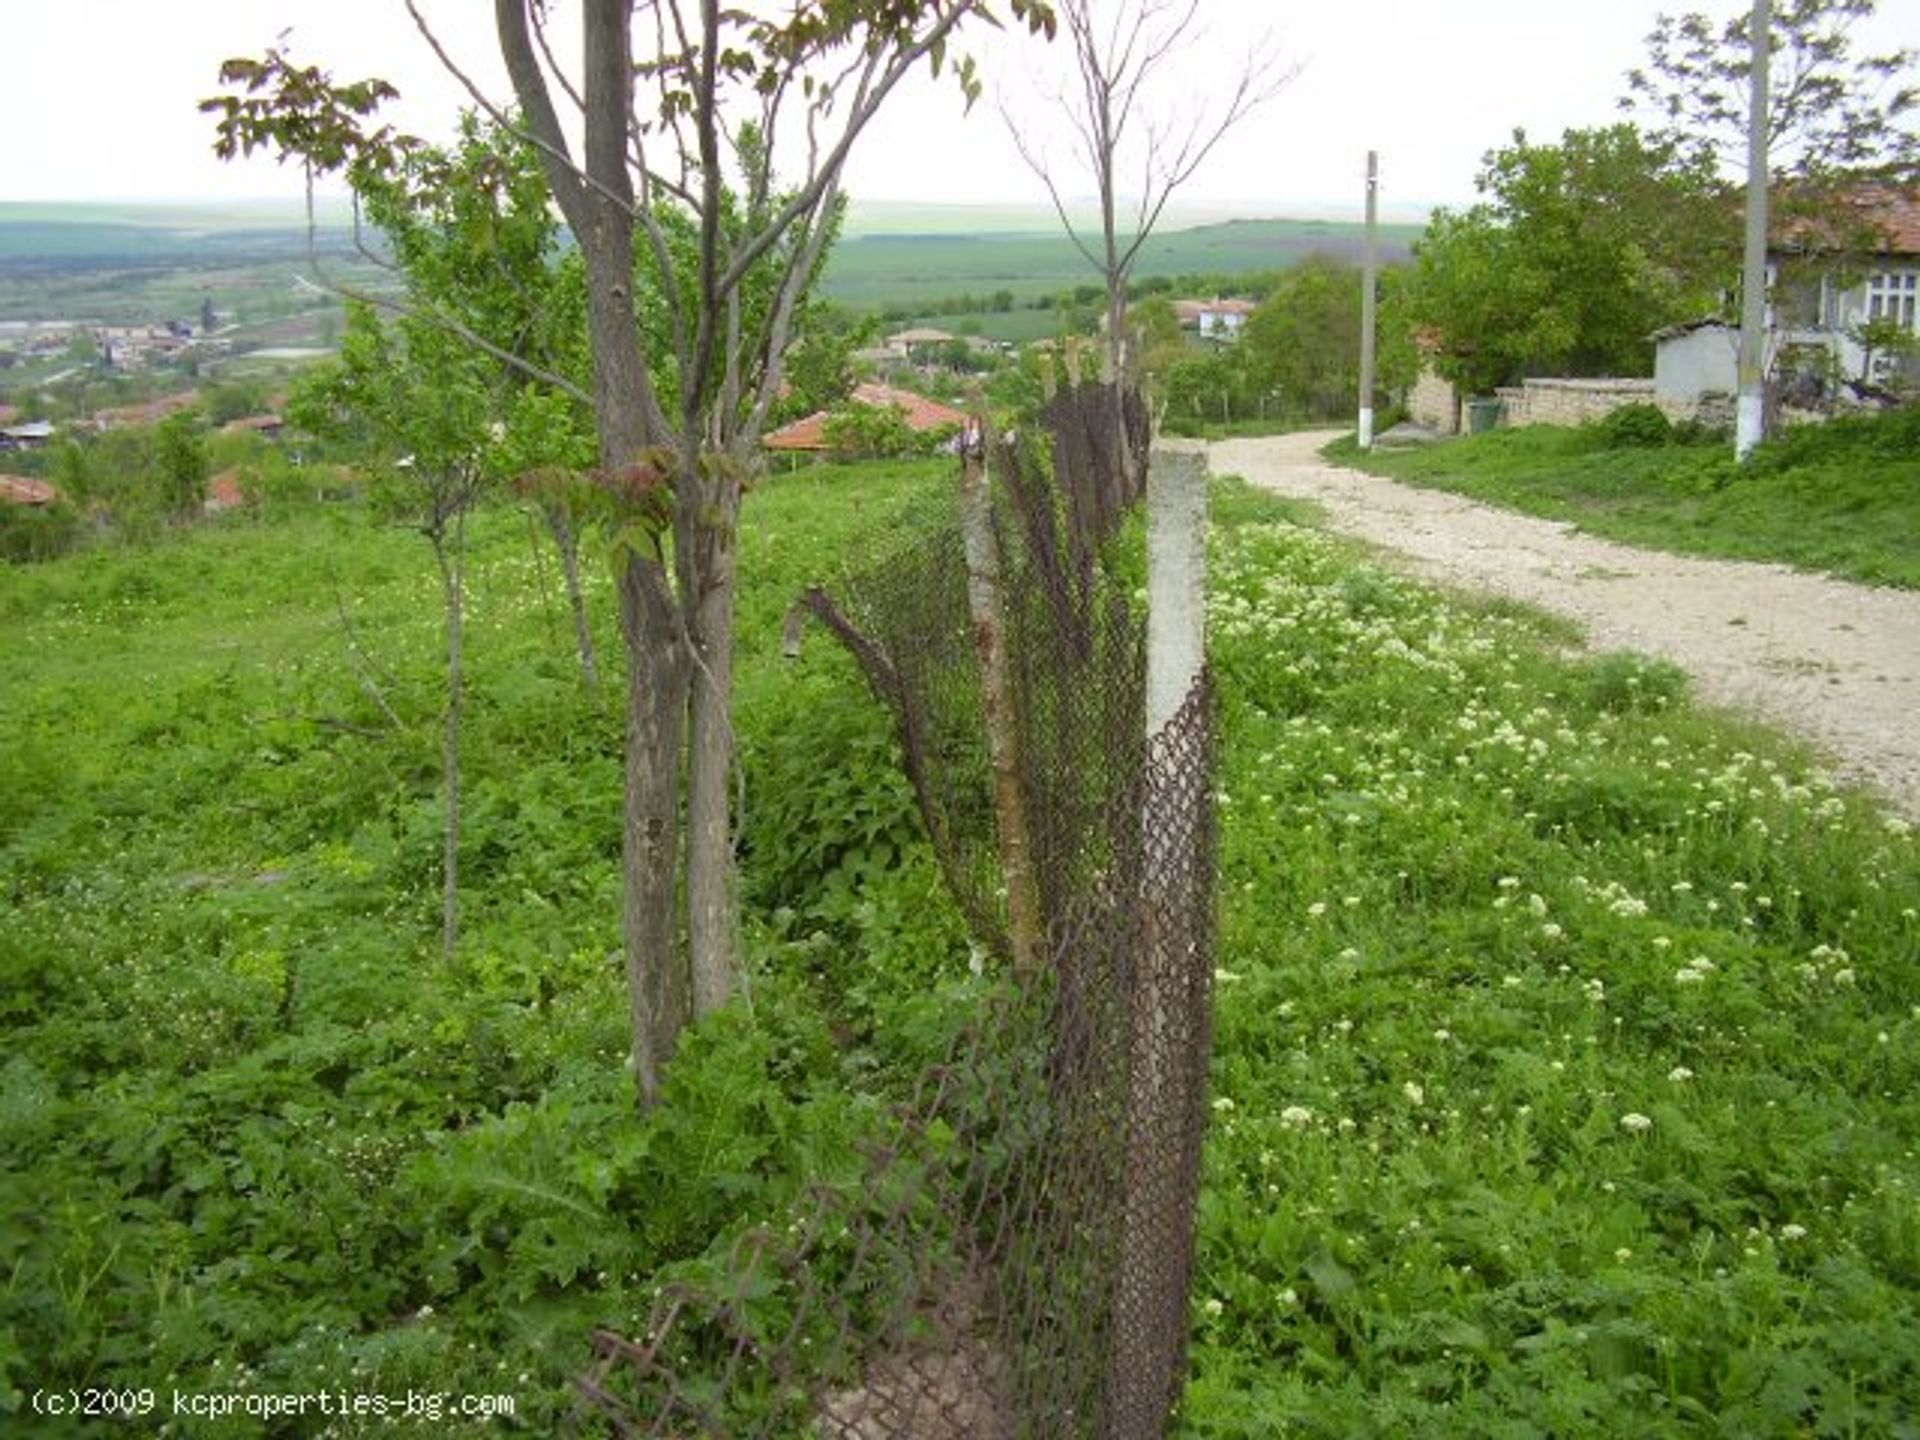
(1367,269)
(1750,418)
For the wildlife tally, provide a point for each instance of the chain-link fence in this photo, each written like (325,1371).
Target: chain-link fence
(1015,1259)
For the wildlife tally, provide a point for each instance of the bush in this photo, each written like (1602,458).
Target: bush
(38,532)
(1637,426)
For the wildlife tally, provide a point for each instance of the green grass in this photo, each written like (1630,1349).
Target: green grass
(1843,497)
(1479,906)
(1566,1040)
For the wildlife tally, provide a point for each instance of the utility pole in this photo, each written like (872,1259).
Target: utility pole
(1750,418)
(1366,304)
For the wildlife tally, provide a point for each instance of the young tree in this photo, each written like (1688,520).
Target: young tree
(1830,112)
(412,401)
(711,154)
(474,236)
(1126,58)
(181,459)
(1304,340)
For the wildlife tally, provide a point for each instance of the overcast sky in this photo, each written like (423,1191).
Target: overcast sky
(98,99)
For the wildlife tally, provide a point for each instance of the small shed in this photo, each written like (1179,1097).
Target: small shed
(1695,359)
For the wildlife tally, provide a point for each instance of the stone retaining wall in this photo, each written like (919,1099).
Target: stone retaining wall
(1577,402)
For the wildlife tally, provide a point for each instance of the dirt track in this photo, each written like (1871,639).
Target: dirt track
(1835,662)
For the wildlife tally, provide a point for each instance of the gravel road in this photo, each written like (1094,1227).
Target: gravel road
(1835,662)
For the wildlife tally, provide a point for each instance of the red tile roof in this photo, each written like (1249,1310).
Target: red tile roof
(24,490)
(260,424)
(921,414)
(9,414)
(1890,212)
(151,412)
(224,492)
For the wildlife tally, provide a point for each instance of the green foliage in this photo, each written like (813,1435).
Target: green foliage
(1841,496)
(880,431)
(1304,340)
(1557,1072)
(249,1118)
(1580,251)
(181,457)
(1634,425)
(38,532)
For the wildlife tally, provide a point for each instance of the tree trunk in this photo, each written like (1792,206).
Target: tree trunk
(986,606)
(568,545)
(450,557)
(712,927)
(656,705)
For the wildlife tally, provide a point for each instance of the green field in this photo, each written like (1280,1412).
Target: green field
(148,263)
(1566,1048)
(897,269)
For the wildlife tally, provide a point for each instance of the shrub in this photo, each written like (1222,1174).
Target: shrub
(38,532)
(1636,425)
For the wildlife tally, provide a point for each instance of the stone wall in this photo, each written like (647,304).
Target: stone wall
(1576,402)
(1569,402)
(1434,402)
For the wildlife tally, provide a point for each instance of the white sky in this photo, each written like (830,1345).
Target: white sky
(98,99)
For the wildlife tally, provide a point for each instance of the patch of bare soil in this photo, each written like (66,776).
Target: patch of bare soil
(952,1384)
(1834,662)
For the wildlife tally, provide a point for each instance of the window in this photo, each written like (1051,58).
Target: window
(1894,295)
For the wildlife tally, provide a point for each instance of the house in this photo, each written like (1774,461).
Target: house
(1215,319)
(30,436)
(24,490)
(267,426)
(152,412)
(913,344)
(1814,321)
(225,491)
(921,415)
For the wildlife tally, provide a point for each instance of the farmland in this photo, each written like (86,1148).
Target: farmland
(1566,1034)
(142,264)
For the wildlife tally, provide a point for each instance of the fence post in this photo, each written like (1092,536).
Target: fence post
(1167,1027)
(986,606)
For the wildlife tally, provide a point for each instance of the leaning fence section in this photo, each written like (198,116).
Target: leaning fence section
(1014,1260)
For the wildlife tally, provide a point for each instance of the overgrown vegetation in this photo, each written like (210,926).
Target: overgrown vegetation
(1843,496)
(1482,909)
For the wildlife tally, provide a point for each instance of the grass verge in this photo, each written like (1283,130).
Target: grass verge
(1843,497)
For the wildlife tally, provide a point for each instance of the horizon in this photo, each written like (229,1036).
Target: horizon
(866,215)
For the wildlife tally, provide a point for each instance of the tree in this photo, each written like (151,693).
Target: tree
(1579,253)
(412,401)
(711,156)
(1830,113)
(1304,340)
(181,460)
(1122,54)
(474,237)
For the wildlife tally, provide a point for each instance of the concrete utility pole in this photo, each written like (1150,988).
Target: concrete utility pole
(1367,269)
(1750,419)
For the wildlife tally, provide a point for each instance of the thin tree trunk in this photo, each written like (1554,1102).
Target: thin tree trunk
(987,609)
(451,556)
(656,706)
(712,932)
(568,545)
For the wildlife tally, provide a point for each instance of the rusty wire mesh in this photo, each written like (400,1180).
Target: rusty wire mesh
(1015,1259)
